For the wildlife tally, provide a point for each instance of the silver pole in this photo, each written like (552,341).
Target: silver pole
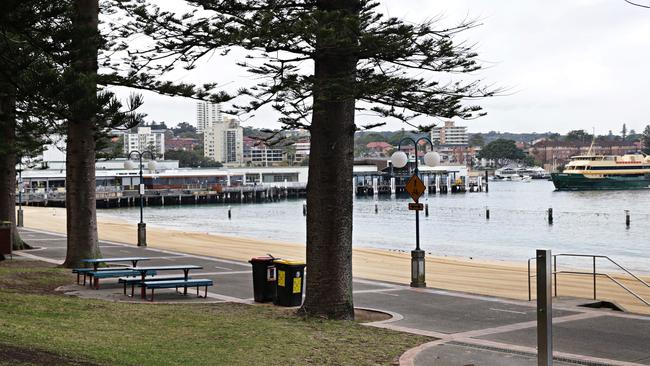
(544,309)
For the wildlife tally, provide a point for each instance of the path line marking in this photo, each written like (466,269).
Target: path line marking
(221,273)
(31,256)
(382,290)
(509,311)
(556,355)
(45,239)
(228,298)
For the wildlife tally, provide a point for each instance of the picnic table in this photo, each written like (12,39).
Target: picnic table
(95,262)
(144,270)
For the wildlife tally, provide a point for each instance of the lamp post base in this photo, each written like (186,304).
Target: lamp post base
(19,218)
(142,234)
(417,268)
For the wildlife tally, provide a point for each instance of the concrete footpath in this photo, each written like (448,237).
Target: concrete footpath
(465,329)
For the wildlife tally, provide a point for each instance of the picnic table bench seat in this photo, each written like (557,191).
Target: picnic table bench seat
(138,280)
(96,275)
(84,271)
(197,282)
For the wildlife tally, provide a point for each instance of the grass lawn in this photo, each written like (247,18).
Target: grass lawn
(39,326)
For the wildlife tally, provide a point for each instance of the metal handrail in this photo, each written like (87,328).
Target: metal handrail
(593,273)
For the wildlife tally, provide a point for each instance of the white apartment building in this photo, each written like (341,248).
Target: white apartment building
(302,150)
(449,134)
(224,142)
(264,156)
(207,114)
(145,139)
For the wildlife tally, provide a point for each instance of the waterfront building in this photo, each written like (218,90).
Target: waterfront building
(217,179)
(302,148)
(264,156)
(224,142)
(144,138)
(207,115)
(449,134)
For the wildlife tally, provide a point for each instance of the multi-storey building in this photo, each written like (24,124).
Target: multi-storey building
(144,138)
(302,150)
(207,114)
(224,142)
(264,156)
(449,134)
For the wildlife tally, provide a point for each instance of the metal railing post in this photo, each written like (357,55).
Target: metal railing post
(544,309)
(594,277)
(529,289)
(555,274)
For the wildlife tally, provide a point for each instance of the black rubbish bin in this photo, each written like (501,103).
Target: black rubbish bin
(264,277)
(291,276)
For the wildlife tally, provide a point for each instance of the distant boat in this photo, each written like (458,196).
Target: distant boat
(510,173)
(591,172)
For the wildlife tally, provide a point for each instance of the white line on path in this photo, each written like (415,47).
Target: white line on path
(228,298)
(217,267)
(221,273)
(382,290)
(509,311)
(31,256)
(47,239)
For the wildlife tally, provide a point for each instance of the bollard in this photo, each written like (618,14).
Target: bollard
(486,182)
(487,213)
(229,213)
(627,218)
(550,216)
(426,210)
(376,208)
(544,309)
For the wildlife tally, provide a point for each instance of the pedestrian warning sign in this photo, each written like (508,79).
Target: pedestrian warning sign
(415,187)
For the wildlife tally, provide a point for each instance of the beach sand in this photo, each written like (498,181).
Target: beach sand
(507,280)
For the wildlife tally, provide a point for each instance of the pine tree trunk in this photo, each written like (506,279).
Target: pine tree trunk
(8,160)
(331,158)
(80,155)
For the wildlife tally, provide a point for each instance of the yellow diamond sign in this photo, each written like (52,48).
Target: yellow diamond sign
(415,187)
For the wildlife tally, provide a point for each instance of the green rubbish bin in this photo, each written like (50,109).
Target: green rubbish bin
(290,282)
(264,278)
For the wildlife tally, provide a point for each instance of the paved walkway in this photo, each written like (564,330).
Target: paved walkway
(469,329)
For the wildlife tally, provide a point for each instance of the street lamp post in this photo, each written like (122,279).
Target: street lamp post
(19,219)
(142,227)
(399,160)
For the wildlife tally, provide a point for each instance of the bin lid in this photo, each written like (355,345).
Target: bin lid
(289,262)
(262,259)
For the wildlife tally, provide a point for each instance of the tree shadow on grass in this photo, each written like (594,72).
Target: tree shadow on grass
(12,355)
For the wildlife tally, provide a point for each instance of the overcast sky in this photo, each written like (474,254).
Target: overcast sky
(576,64)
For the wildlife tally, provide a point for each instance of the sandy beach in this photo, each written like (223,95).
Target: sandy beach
(472,276)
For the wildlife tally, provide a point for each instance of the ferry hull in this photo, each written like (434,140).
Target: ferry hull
(578,182)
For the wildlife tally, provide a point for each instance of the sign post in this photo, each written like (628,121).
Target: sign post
(415,189)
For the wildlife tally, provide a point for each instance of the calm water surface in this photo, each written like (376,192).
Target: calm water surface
(585,222)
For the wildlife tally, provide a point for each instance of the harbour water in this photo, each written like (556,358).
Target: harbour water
(588,222)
